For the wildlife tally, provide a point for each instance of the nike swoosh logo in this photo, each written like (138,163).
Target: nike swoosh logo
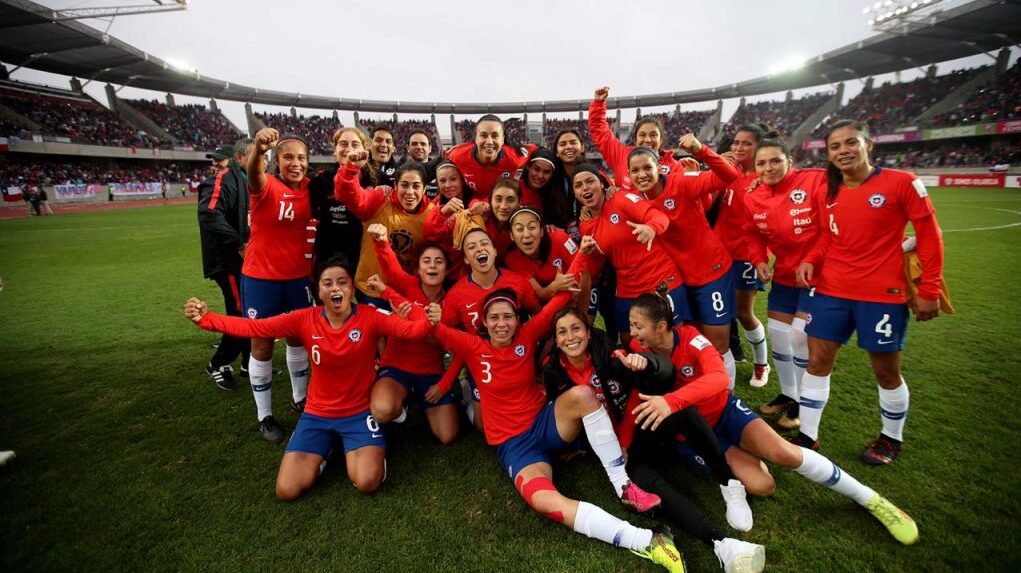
(314,337)
(828,206)
(487,355)
(470,305)
(377,435)
(885,342)
(719,314)
(286,196)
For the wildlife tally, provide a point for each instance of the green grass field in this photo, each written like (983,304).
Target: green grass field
(130,459)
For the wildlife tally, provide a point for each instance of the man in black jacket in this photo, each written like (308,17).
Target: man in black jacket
(223,227)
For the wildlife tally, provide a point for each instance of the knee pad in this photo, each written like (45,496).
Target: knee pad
(533,486)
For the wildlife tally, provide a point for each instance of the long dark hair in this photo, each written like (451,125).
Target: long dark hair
(545,242)
(834,178)
(656,306)
(466,190)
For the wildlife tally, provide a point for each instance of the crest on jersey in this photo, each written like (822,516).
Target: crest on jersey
(519,350)
(669,204)
(355,335)
(558,263)
(687,371)
(594,381)
(613,386)
(798,196)
(615,218)
(401,241)
(664,169)
(877,200)
(252,313)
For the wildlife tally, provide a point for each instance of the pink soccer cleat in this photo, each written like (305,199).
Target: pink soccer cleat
(638,499)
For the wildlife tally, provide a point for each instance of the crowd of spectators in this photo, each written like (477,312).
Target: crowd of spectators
(554,126)
(316,129)
(46,171)
(191,124)
(784,116)
(402,131)
(998,102)
(514,130)
(951,153)
(893,105)
(677,124)
(79,119)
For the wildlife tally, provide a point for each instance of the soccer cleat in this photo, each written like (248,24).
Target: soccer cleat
(271,430)
(761,376)
(638,499)
(662,550)
(6,457)
(899,524)
(788,423)
(881,452)
(777,405)
(244,371)
(738,556)
(739,514)
(223,376)
(804,441)
(299,406)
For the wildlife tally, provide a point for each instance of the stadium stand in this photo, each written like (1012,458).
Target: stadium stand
(191,124)
(317,129)
(513,128)
(77,118)
(955,153)
(994,103)
(785,115)
(678,124)
(554,126)
(402,131)
(61,170)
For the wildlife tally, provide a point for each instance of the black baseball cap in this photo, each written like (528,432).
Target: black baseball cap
(222,152)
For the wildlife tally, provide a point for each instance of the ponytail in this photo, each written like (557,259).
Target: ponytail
(657,306)
(834,177)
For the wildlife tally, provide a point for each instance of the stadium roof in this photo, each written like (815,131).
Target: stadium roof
(29,37)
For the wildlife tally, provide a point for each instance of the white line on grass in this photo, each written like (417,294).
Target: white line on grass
(1007,226)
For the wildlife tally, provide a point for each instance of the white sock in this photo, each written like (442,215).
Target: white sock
(757,339)
(821,470)
(297,367)
(893,407)
(260,373)
(591,521)
(602,438)
(815,391)
(780,338)
(731,366)
(799,348)
(470,411)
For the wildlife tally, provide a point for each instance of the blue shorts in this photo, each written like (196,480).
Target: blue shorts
(534,444)
(745,277)
(316,435)
(881,326)
(788,300)
(593,301)
(416,385)
(728,430)
(678,301)
(263,299)
(714,303)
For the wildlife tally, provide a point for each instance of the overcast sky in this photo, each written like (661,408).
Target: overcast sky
(474,50)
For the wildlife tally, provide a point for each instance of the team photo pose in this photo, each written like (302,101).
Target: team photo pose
(559,207)
(539,179)
(860,284)
(275,274)
(527,430)
(341,337)
(583,356)
(454,196)
(543,254)
(783,208)
(745,439)
(486,160)
(339,229)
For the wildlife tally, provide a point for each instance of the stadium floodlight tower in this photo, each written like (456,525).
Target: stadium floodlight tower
(114,11)
(899,16)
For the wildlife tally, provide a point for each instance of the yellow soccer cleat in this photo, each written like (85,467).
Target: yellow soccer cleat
(897,522)
(662,550)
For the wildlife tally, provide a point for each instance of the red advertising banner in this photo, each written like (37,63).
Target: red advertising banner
(1008,126)
(973,180)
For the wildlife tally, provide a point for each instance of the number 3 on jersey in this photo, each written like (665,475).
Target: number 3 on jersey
(286,211)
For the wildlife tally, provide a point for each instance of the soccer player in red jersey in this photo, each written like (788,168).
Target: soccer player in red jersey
(648,133)
(539,179)
(274,277)
(860,284)
(454,196)
(733,226)
(527,430)
(786,222)
(504,201)
(621,229)
(559,206)
(745,439)
(541,254)
(411,367)
(486,160)
(689,240)
(341,337)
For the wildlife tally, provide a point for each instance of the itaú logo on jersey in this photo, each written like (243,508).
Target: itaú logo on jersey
(615,218)
(687,371)
(877,200)
(519,350)
(355,335)
(669,204)
(798,196)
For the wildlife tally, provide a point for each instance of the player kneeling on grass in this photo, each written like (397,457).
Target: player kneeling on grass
(743,436)
(341,338)
(527,430)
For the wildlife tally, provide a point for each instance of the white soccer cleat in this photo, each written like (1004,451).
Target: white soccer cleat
(739,514)
(738,556)
(6,457)
(760,377)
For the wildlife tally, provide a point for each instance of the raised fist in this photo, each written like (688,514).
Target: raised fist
(266,139)
(601,93)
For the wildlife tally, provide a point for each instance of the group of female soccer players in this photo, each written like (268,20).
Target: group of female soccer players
(506,269)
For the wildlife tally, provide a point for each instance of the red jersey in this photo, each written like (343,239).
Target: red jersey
(508,387)
(862,230)
(462,306)
(702,379)
(733,225)
(615,153)
(786,219)
(562,251)
(278,247)
(623,425)
(639,270)
(342,359)
(689,240)
(414,356)
(481,178)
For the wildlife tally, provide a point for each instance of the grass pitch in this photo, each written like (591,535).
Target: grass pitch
(130,459)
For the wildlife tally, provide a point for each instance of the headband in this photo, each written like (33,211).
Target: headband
(524,210)
(505,299)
